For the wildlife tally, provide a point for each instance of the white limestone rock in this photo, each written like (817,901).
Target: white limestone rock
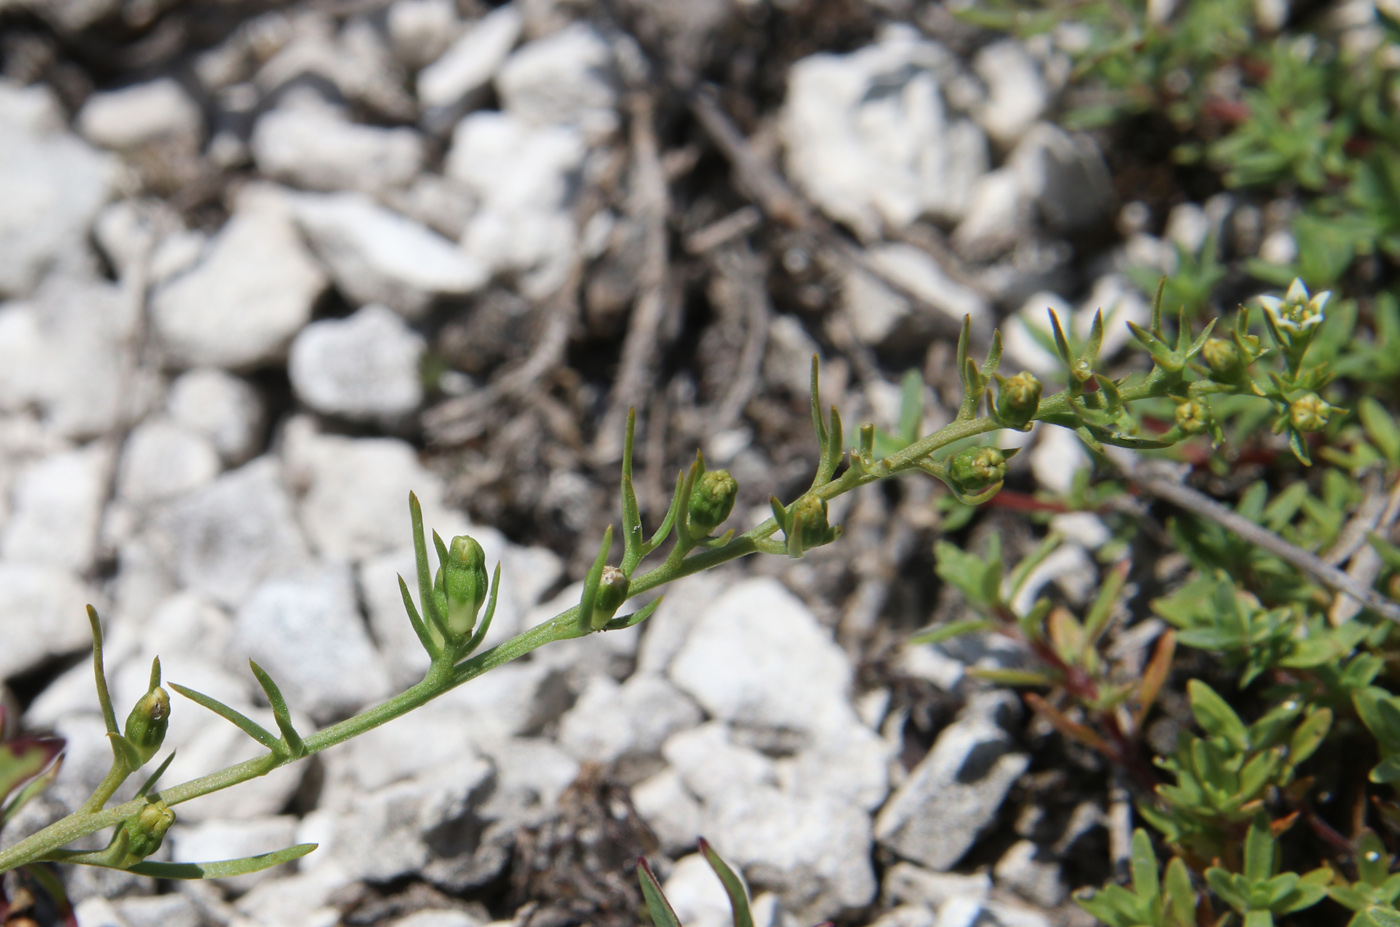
(52,185)
(318,148)
(758,658)
(354,491)
(378,256)
(567,78)
(524,179)
(470,62)
(421,30)
(937,813)
(670,811)
(223,540)
(57,504)
(253,291)
(364,368)
(306,632)
(869,135)
(1017,93)
(630,722)
(222,407)
(881,316)
(51,600)
(139,114)
(161,460)
(1065,175)
(67,351)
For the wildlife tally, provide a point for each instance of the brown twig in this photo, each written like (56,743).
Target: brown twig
(650,203)
(1200,504)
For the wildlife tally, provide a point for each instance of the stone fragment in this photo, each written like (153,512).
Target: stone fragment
(222,407)
(241,305)
(57,503)
(525,179)
(997,215)
(159,911)
(161,460)
(421,30)
(869,135)
(567,78)
(364,368)
(377,473)
(226,538)
(614,724)
(1064,175)
(51,602)
(52,185)
(468,65)
(670,811)
(758,658)
(1017,93)
(139,114)
(67,351)
(379,256)
(1031,873)
(307,633)
(317,148)
(937,813)
(882,317)
(696,894)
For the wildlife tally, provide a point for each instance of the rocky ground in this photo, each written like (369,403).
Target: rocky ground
(268,267)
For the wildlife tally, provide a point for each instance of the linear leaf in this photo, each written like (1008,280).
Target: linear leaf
(279,711)
(733,885)
(224,868)
(662,914)
(244,723)
(109,717)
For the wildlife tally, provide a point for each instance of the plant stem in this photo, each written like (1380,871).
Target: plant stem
(443,675)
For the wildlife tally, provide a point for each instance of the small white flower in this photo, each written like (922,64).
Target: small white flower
(1296,312)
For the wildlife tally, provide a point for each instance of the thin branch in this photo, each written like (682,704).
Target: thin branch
(1200,504)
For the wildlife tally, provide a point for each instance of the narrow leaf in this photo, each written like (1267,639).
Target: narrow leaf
(485,624)
(425,576)
(733,886)
(23,758)
(245,724)
(951,630)
(1069,728)
(34,787)
(636,618)
(590,582)
(154,777)
(279,708)
(817,423)
(424,637)
(222,869)
(631,516)
(109,717)
(662,915)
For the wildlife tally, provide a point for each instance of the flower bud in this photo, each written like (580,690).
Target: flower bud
(1222,357)
(145,726)
(1018,399)
(461,585)
(1309,412)
(145,831)
(975,469)
(1193,416)
(809,519)
(711,500)
(612,592)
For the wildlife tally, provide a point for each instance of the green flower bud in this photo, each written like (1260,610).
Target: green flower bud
(1018,399)
(1193,416)
(145,831)
(145,726)
(809,519)
(612,592)
(461,585)
(976,469)
(711,500)
(1309,412)
(1222,357)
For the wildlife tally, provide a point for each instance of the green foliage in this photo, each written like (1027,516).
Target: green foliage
(1153,902)
(1260,891)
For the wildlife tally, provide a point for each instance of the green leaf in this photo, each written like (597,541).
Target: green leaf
(245,724)
(109,717)
(24,758)
(1215,716)
(1380,428)
(1144,864)
(1259,850)
(1309,736)
(662,915)
(222,869)
(1383,917)
(733,885)
(951,630)
(279,709)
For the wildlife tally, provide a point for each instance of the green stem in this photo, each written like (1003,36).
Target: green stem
(444,676)
(109,785)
